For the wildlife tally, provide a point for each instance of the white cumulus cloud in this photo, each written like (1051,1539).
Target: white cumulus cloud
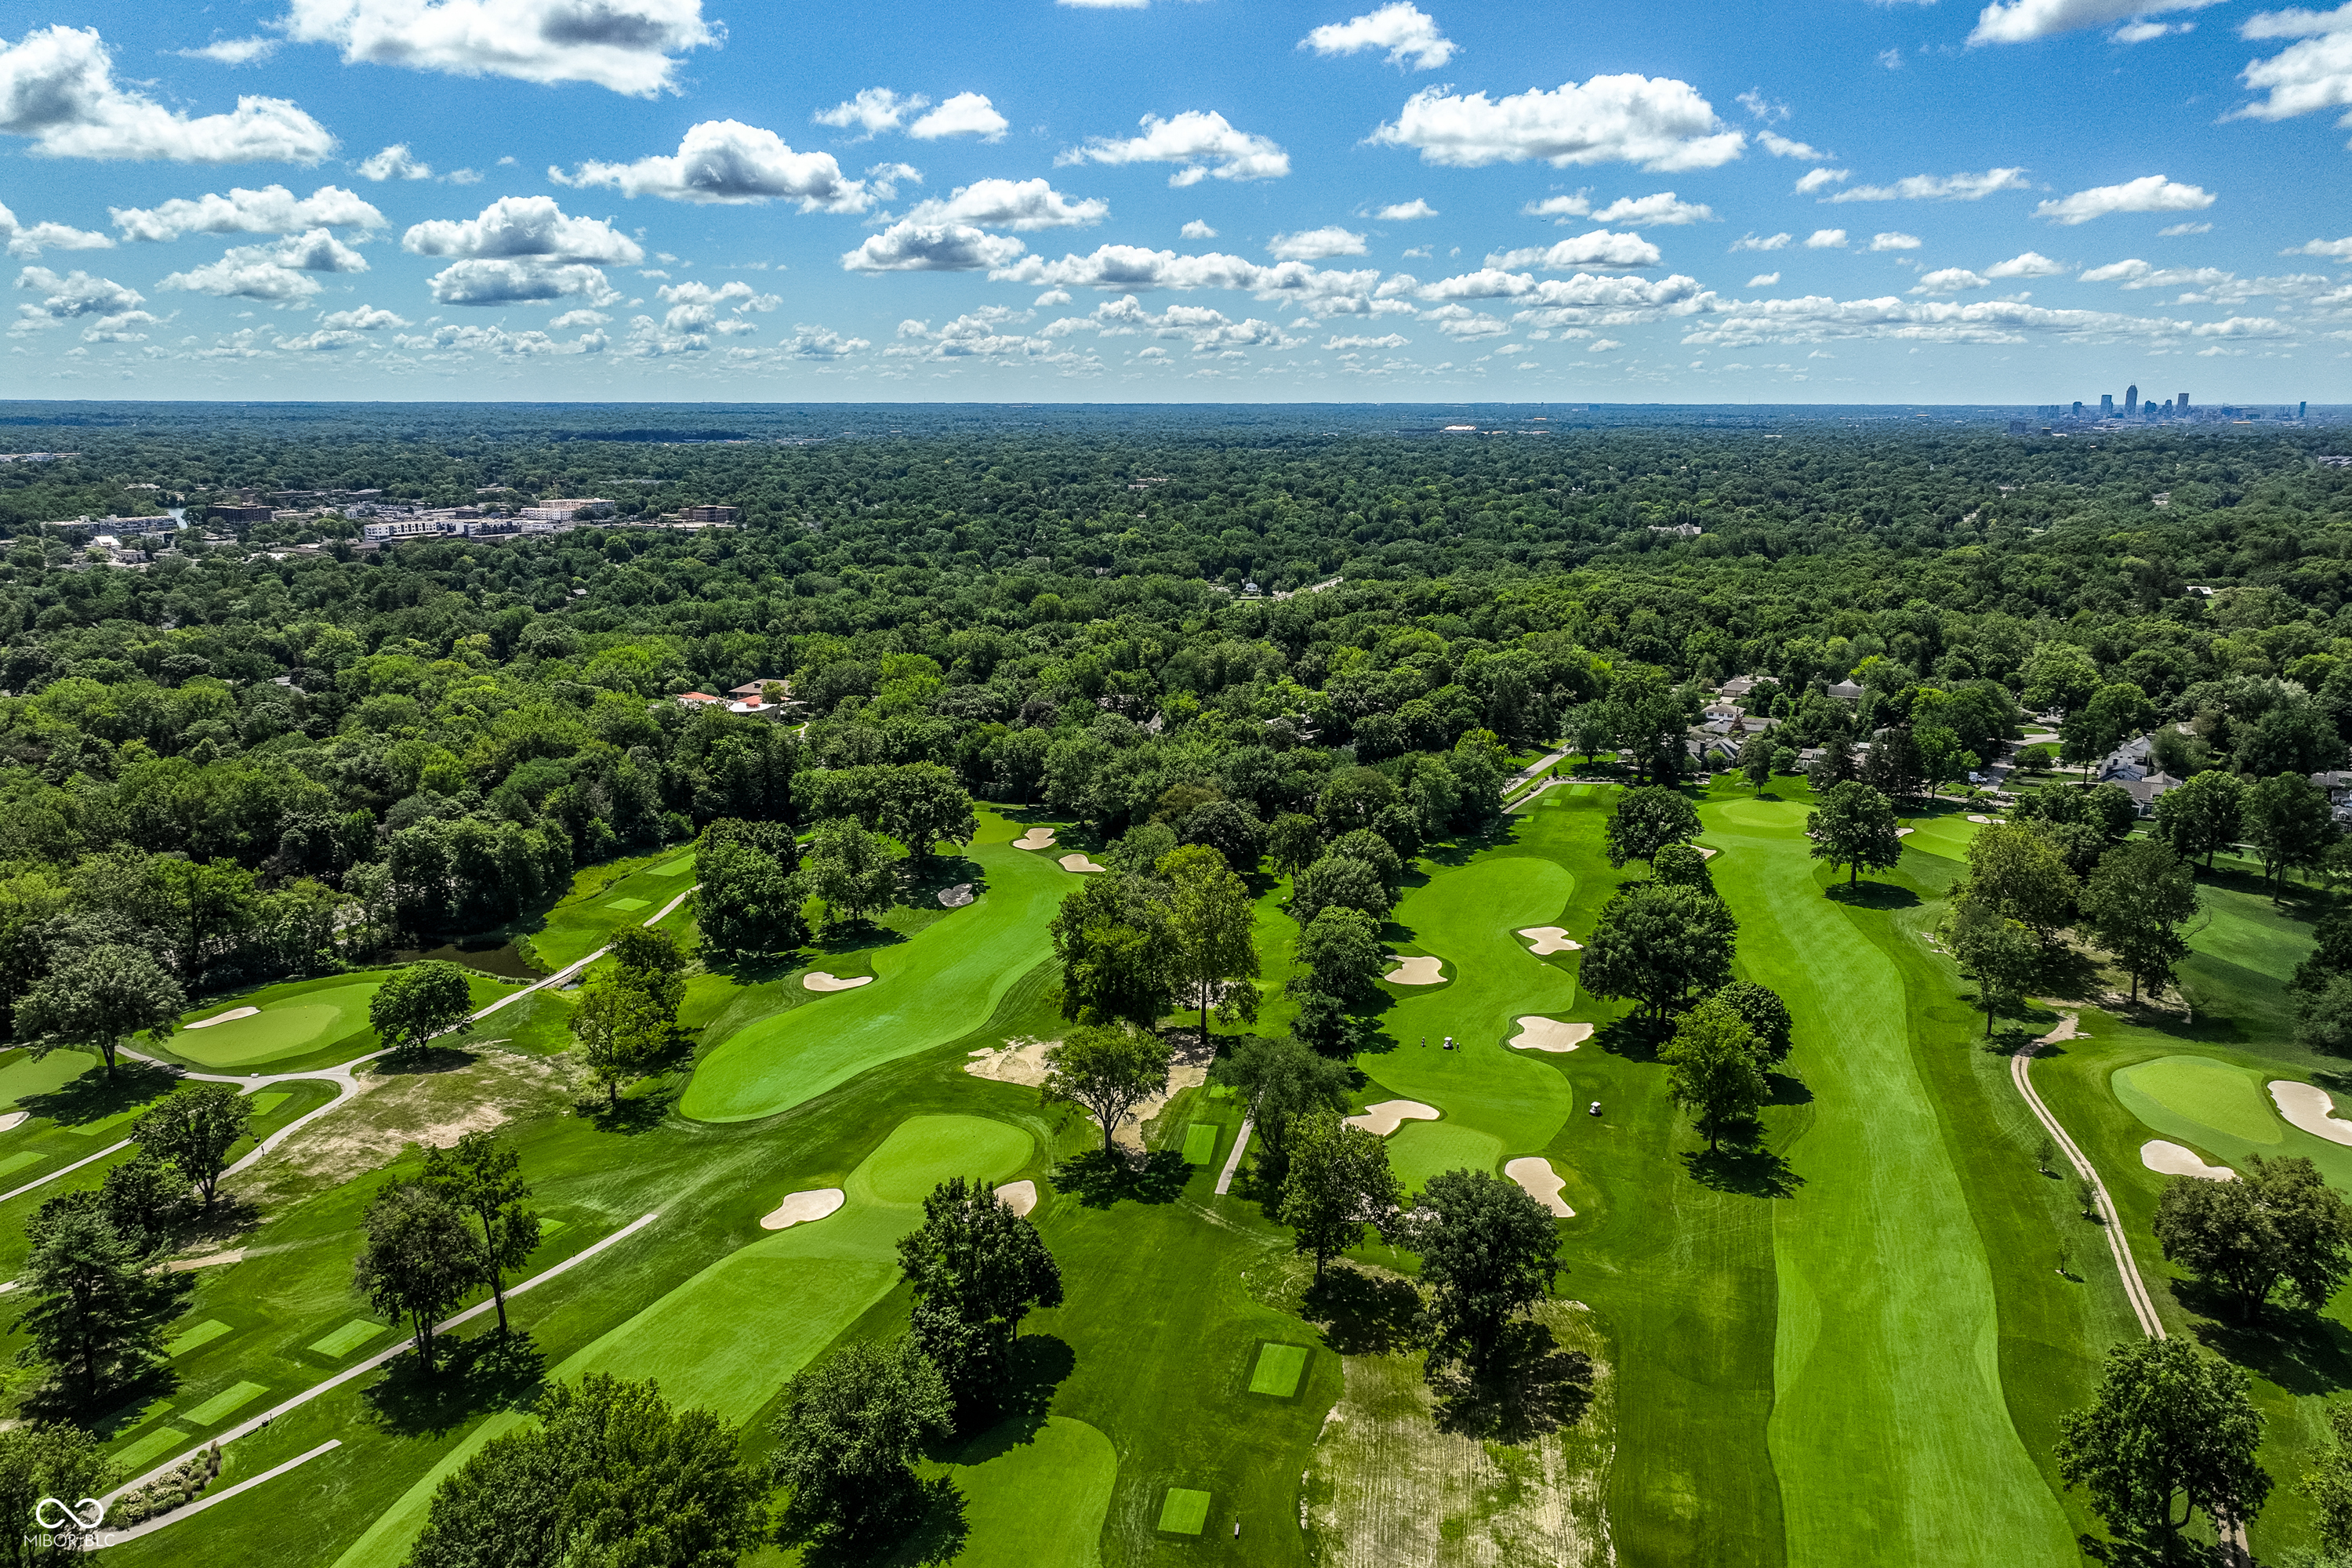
(273,209)
(2304,78)
(393,163)
(1764,280)
(2033,264)
(874,110)
(1812,180)
(232,51)
(1410,36)
(1315,244)
(2023,21)
(1780,146)
(1895,242)
(1660,123)
(1665,209)
(2148,193)
(2341,249)
(965,114)
(1560,209)
(907,247)
(362,318)
(1763,242)
(521,250)
(1951,281)
(275,274)
(58,88)
(1405,211)
(1601,247)
(628,46)
(1826,239)
(1203,142)
(820,343)
(728,162)
(1196,229)
(31,239)
(1011,203)
(1937,187)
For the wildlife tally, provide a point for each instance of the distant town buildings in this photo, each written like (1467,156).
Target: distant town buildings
(555,509)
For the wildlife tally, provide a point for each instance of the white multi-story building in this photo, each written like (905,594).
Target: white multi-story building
(561,510)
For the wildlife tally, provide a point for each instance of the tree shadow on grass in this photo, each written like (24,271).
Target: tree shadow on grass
(1633,1037)
(1873,895)
(2156,1548)
(489,1372)
(1363,1313)
(1783,1089)
(93,1097)
(636,1113)
(1529,1386)
(2299,1350)
(929,1532)
(415,1064)
(1752,1170)
(1040,1363)
(1100,1180)
(857,936)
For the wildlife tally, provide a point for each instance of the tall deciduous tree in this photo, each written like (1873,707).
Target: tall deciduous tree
(1646,820)
(2289,821)
(2018,872)
(1766,1014)
(848,870)
(50,1460)
(1209,929)
(1345,881)
(621,1029)
(2135,905)
(1855,828)
(1279,1082)
(923,803)
(1341,955)
(1112,936)
(1337,1183)
(1293,842)
(195,1127)
(1107,1070)
(1657,945)
(2328,1483)
(848,1438)
(418,1002)
(2203,815)
(748,899)
(609,1473)
(99,1306)
(1711,1068)
(2169,1426)
(419,1260)
(1991,949)
(2279,1224)
(1487,1250)
(977,1270)
(96,998)
(481,1175)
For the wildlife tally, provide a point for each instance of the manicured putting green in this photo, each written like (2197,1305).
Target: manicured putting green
(678,867)
(195,1338)
(627,905)
(924,1151)
(305,1019)
(1279,1368)
(1184,1513)
(1200,1143)
(347,1339)
(1040,1503)
(153,1445)
(233,1398)
(263,1104)
(2210,1093)
(1420,1150)
(25,1076)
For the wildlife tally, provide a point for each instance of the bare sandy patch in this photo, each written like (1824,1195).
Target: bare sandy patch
(1079,863)
(2172,1160)
(818,980)
(1036,838)
(223,1017)
(1706,854)
(209,1260)
(957,896)
(1540,1182)
(800,1208)
(395,1109)
(1188,1068)
(1422,971)
(2307,1106)
(13,1121)
(1904,832)
(1391,1114)
(1388,1484)
(1021,1062)
(1550,939)
(1019,1196)
(1538,1033)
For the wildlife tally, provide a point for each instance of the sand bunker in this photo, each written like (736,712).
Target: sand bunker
(1036,838)
(1706,854)
(1904,832)
(13,1121)
(1540,1182)
(801,1207)
(2307,1106)
(957,896)
(1019,1061)
(1414,972)
(2172,1160)
(1019,1196)
(223,1017)
(818,980)
(1550,939)
(1080,863)
(1980,817)
(1391,1114)
(1541,1033)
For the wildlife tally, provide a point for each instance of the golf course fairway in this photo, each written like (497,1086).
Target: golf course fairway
(1890,1435)
(938,984)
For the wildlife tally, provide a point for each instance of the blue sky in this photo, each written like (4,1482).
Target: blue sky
(1808,200)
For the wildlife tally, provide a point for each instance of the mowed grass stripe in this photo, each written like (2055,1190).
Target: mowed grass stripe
(1889,1432)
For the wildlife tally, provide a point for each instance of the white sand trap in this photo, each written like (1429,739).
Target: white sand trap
(2172,1160)
(1036,838)
(801,1207)
(1550,939)
(1540,1182)
(1706,854)
(223,1017)
(1020,1061)
(1904,832)
(1081,863)
(1541,1033)
(1019,1196)
(1415,972)
(13,1121)
(818,980)
(1980,817)
(2306,1106)
(957,896)
(1391,1114)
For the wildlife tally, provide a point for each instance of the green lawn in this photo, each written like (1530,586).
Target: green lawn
(602,899)
(928,988)
(302,1023)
